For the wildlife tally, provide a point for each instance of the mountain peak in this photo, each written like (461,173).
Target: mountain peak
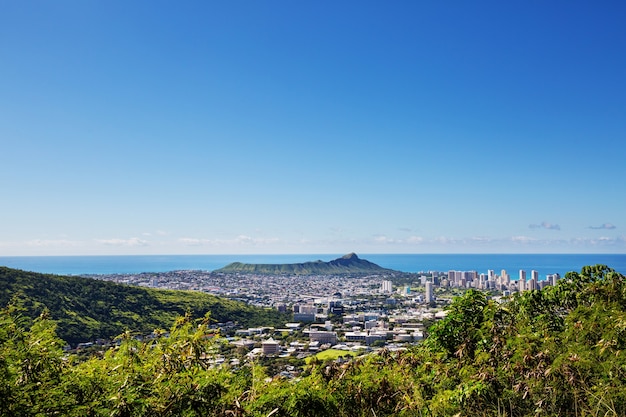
(347,264)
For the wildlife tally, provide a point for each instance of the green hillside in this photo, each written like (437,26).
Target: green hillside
(87,309)
(348,264)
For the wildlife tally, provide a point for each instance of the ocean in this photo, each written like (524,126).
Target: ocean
(543,263)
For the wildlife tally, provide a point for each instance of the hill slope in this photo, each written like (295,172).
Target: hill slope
(88,309)
(348,264)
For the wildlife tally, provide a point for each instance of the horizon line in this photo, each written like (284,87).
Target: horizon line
(317,253)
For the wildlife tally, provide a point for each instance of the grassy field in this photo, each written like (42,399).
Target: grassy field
(331,354)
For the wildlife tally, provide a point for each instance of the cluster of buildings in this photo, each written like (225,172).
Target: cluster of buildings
(349,332)
(341,312)
(401,320)
(256,289)
(490,281)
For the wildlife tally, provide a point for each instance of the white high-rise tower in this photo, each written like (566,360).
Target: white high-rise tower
(522,280)
(429,292)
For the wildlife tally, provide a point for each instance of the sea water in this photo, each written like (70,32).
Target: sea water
(543,263)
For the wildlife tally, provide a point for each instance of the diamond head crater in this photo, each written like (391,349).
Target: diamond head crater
(347,264)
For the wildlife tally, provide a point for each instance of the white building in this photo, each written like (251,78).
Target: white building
(429,292)
(522,281)
(270,347)
(323,337)
(308,309)
(553,279)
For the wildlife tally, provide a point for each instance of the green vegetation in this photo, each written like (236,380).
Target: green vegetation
(556,352)
(330,355)
(348,264)
(87,309)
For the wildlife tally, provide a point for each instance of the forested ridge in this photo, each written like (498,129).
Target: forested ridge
(555,352)
(87,309)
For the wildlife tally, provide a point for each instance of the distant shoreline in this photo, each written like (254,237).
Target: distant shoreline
(129,264)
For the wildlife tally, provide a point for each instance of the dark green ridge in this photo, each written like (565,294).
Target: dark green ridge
(87,309)
(347,264)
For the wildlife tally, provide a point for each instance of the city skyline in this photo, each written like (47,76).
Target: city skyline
(271,128)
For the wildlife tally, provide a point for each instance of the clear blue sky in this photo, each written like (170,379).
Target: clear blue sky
(160,127)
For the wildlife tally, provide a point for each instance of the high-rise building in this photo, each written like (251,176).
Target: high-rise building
(522,280)
(482,281)
(429,292)
(505,279)
(452,278)
(534,275)
(553,278)
(386,286)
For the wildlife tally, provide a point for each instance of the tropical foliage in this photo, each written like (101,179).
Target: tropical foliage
(556,352)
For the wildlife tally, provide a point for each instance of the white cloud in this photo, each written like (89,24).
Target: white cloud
(445,240)
(193,242)
(523,239)
(245,243)
(415,240)
(545,225)
(384,239)
(48,243)
(393,244)
(156,233)
(600,241)
(480,239)
(241,240)
(133,242)
(605,226)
